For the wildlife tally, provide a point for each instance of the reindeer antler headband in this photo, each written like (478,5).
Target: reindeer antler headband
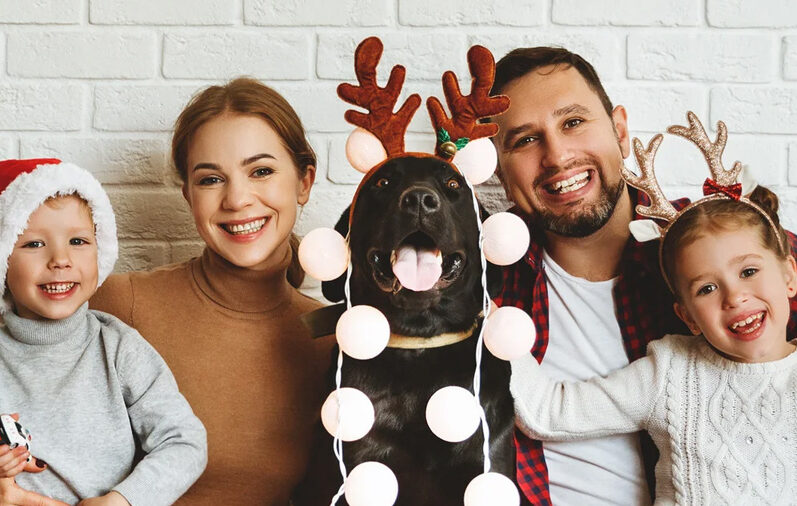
(723,184)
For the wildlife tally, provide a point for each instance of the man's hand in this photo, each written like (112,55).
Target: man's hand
(112,498)
(12,494)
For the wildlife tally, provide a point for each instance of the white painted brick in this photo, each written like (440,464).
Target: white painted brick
(143,107)
(793,163)
(680,162)
(138,256)
(325,207)
(158,12)
(696,56)
(603,49)
(41,11)
(318,105)
(79,54)
(8,147)
(654,108)
(318,12)
(152,214)
(425,55)
(788,207)
(456,12)
(223,55)
(756,110)
(751,13)
(319,144)
(181,251)
(790,57)
(110,160)
(41,106)
(627,12)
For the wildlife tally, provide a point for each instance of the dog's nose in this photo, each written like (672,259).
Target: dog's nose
(417,200)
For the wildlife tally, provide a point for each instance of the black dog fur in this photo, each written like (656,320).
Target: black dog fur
(424,201)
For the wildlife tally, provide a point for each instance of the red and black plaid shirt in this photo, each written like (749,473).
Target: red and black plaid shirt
(643,305)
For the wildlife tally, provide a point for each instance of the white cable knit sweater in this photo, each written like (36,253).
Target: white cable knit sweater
(726,431)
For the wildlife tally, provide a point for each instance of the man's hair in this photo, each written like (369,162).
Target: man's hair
(519,62)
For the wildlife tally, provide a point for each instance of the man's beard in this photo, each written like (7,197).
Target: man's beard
(586,220)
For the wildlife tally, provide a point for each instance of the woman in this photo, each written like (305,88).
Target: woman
(227,322)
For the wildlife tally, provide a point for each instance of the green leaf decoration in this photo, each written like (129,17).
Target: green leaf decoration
(461,142)
(442,136)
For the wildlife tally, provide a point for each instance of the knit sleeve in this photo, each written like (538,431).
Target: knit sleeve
(171,436)
(115,297)
(566,410)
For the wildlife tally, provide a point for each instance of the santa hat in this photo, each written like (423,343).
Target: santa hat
(27,184)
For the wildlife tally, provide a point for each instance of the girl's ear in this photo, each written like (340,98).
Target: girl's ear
(684,315)
(791,276)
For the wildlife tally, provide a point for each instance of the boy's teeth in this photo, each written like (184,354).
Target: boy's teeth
(747,321)
(57,287)
(246,228)
(571,184)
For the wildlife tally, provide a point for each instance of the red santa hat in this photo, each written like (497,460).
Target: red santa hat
(26,184)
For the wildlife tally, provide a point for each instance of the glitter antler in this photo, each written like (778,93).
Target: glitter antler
(712,151)
(660,207)
(463,126)
(380,120)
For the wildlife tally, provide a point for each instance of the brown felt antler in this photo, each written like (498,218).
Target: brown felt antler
(466,110)
(380,120)
(712,151)
(660,207)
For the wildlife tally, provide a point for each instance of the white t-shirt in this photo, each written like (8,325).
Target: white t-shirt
(585,341)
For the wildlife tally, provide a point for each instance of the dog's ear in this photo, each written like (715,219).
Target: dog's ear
(334,290)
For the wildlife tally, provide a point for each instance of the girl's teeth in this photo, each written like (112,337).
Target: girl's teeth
(747,321)
(246,228)
(57,287)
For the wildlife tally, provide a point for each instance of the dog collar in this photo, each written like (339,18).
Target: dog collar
(438,341)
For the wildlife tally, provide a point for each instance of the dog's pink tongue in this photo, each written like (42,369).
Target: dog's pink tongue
(417,270)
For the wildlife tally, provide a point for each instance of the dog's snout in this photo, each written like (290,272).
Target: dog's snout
(419,200)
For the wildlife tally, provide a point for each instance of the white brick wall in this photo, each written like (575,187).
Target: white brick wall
(100,82)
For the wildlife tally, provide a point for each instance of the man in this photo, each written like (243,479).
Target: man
(595,294)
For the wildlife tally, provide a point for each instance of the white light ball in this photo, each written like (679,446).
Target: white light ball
(364,150)
(371,484)
(453,414)
(324,254)
(491,489)
(362,332)
(356,414)
(506,238)
(477,160)
(510,333)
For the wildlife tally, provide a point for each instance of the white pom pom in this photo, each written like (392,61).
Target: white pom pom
(510,333)
(356,414)
(491,489)
(452,414)
(364,150)
(477,160)
(371,484)
(506,238)
(324,254)
(362,332)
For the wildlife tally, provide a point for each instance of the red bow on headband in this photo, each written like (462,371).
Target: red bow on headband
(711,187)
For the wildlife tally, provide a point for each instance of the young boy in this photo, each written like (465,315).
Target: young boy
(88,387)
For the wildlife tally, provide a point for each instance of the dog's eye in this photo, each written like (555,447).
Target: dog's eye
(452,183)
(382,182)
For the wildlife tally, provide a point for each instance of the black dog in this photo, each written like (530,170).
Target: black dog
(423,203)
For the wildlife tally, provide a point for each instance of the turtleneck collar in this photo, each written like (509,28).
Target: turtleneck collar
(48,332)
(240,289)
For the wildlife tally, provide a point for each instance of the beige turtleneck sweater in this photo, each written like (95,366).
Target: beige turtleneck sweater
(251,373)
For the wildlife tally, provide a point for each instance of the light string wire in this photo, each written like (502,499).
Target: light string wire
(479,344)
(337,443)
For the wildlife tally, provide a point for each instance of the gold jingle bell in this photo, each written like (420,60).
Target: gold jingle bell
(448,149)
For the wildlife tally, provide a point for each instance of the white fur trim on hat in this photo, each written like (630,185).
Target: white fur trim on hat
(29,190)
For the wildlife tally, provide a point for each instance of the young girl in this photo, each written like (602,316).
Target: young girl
(721,407)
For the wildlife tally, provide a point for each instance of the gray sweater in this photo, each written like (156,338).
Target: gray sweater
(87,387)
